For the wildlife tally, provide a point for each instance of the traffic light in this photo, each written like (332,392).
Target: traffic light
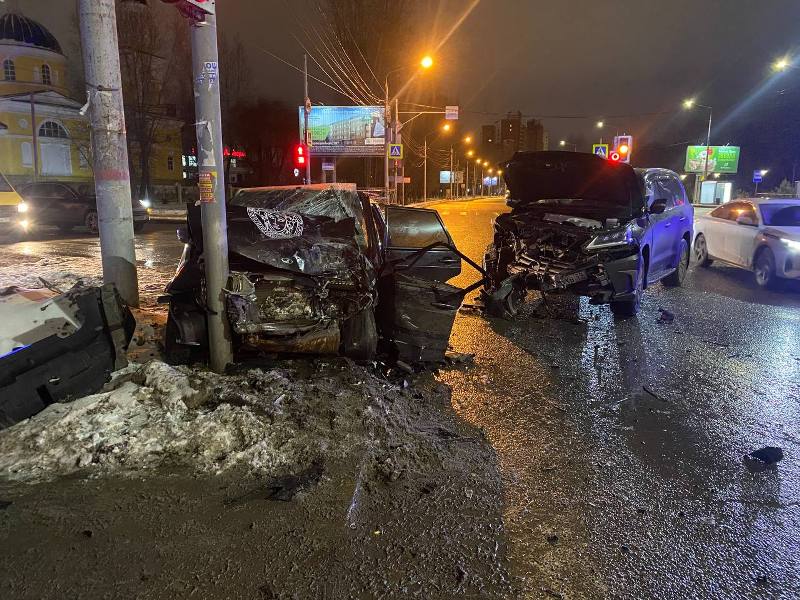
(623,147)
(300,156)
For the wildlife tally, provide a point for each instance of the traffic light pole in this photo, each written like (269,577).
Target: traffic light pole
(205,72)
(306,110)
(112,182)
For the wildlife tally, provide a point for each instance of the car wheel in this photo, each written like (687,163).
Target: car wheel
(629,308)
(701,251)
(138,226)
(91,221)
(764,269)
(359,335)
(675,279)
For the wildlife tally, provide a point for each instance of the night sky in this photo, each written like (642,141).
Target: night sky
(629,63)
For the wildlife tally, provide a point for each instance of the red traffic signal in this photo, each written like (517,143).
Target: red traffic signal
(300,155)
(614,156)
(623,146)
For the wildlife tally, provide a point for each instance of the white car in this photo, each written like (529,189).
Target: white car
(760,234)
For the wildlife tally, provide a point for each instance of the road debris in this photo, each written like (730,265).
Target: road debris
(665,316)
(764,458)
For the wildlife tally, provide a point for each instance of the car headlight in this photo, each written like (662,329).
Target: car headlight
(22,207)
(145,203)
(791,245)
(619,237)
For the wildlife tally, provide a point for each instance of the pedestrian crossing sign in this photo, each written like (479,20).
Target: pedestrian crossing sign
(396,151)
(600,150)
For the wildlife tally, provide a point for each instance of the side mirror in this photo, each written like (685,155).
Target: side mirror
(746,220)
(658,206)
(183,235)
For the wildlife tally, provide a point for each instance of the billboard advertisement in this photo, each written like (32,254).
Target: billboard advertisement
(721,159)
(345,130)
(444,176)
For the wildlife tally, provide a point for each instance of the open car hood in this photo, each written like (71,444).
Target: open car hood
(573,183)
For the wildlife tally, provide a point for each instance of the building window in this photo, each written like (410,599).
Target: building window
(9,71)
(51,129)
(27,154)
(170,163)
(46,78)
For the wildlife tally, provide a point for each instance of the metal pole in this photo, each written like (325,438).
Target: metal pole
(451,172)
(205,73)
(755,193)
(386,119)
(35,136)
(425,172)
(307,109)
(396,140)
(708,144)
(112,182)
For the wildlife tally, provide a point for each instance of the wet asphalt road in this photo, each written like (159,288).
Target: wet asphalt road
(619,442)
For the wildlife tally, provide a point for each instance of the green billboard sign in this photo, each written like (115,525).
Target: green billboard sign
(721,159)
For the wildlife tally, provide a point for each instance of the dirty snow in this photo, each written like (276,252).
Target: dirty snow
(151,415)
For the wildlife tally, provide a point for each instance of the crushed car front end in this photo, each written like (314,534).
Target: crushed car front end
(572,228)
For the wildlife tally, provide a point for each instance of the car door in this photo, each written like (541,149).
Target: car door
(660,226)
(715,225)
(416,307)
(741,235)
(411,229)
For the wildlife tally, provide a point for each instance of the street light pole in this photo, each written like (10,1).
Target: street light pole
(386,119)
(307,109)
(112,182)
(451,172)
(708,144)
(425,172)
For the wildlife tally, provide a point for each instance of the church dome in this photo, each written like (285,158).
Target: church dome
(20,29)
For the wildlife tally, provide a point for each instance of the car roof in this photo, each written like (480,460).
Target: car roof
(769,200)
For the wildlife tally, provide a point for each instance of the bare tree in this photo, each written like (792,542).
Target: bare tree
(156,66)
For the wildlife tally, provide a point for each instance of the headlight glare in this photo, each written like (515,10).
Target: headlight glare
(145,203)
(791,244)
(22,207)
(619,237)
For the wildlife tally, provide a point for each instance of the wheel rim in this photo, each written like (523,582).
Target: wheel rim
(763,270)
(700,250)
(683,266)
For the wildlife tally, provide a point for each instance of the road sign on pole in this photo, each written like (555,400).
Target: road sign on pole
(757,177)
(396,151)
(451,113)
(600,150)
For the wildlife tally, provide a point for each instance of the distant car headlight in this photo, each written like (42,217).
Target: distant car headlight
(791,245)
(620,237)
(145,203)
(22,207)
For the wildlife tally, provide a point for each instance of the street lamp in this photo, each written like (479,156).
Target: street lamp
(763,173)
(426,62)
(781,64)
(564,143)
(446,127)
(688,104)
(468,139)
(600,124)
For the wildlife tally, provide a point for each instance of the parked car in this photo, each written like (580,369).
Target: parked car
(68,205)
(760,234)
(13,211)
(587,226)
(321,269)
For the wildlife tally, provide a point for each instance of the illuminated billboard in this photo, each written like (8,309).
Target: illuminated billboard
(721,159)
(345,130)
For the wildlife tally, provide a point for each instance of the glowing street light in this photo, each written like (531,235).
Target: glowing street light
(426,62)
(600,124)
(486,163)
(446,127)
(764,172)
(470,152)
(562,143)
(781,64)
(468,139)
(479,160)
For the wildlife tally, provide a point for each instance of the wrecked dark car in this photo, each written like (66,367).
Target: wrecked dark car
(321,269)
(56,347)
(583,225)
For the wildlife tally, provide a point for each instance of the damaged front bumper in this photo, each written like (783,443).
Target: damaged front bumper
(58,347)
(601,277)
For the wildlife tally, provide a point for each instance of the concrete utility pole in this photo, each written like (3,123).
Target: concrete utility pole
(98,24)
(205,62)
(425,172)
(451,172)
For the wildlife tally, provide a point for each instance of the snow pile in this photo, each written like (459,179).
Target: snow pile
(153,415)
